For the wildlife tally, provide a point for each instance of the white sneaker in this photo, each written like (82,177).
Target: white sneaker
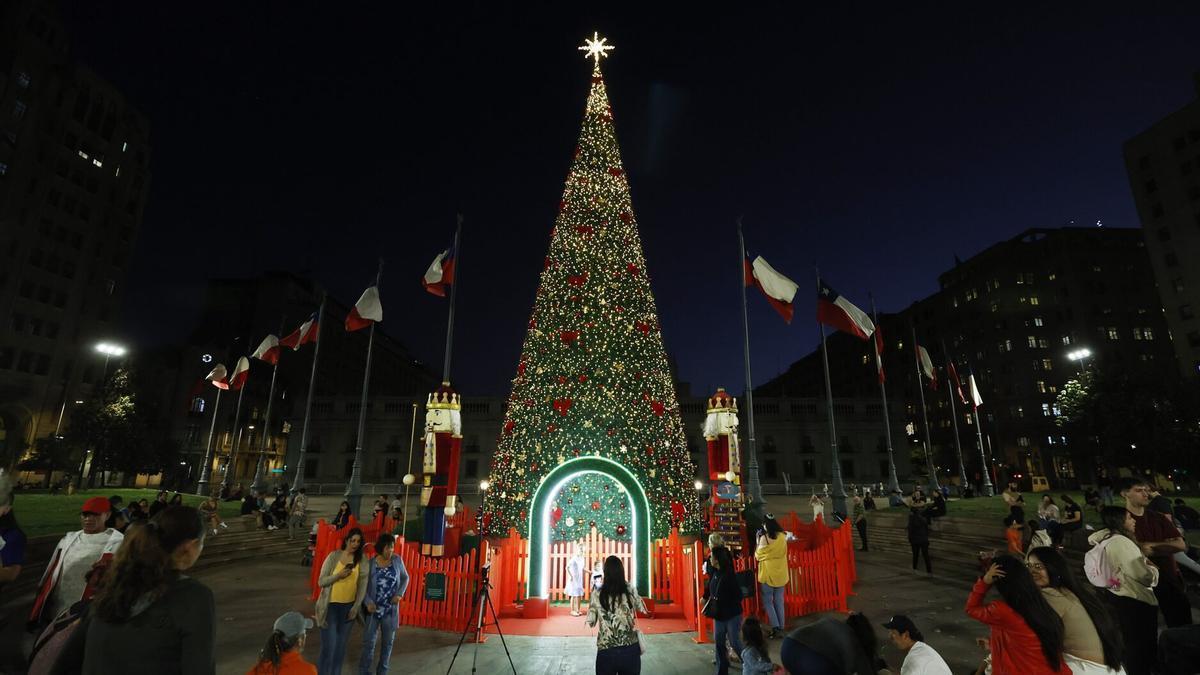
(214,530)
(225,526)
(270,527)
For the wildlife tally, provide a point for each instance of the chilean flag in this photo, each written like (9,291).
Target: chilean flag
(838,312)
(957,384)
(219,377)
(779,289)
(366,311)
(268,351)
(240,372)
(306,333)
(926,364)
(440,273)
(976,398)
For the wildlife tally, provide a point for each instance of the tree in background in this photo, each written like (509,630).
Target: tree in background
(1133,418)
(593,379)
(114,425)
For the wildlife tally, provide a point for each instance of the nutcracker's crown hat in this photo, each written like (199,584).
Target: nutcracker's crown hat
(444,398)
(722,402)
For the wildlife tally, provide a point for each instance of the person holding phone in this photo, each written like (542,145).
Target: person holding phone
(343,583)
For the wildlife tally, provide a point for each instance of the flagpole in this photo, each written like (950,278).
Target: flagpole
(988,489)
(256,483)
(354,487)
(754,495)
(933,484)
(237,414)
(298,481)
(893,479)
(409,477)
(206,468)
(457,252)
(962,467)
(839,490)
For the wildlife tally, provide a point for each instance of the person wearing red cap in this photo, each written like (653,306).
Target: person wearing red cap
(66,579)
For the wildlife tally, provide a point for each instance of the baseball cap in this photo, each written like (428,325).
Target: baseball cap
(293,624)
(902,624)
(96,505)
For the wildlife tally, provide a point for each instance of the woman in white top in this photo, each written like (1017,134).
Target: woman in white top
(818,506)
(574,588)
(1129,588)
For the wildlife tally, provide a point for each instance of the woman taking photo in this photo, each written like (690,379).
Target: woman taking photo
(1092,641)
(1027,636)
(387,580)
(282,656)
(1129,580)
(615,607)
(343,583)
(149,618)
(723,604)
(771,555)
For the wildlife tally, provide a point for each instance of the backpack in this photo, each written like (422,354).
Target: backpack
(1099,572)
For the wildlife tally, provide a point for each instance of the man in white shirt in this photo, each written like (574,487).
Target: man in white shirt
(66,577)
(919,658)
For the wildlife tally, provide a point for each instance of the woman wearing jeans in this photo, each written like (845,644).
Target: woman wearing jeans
(615,606)
(724,606)
(387,579)
(343,583)
(771,555)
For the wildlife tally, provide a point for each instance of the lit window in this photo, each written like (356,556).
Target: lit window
(1033,299)
(1041,386)
(1049,440)
(1045,410)
(866,359)
(1055,410)
(1066,339)
(1020,279)
(1113,334)
(124,146)
(198,405)
(83,154)
(1047,364)
(97,161)
(1031,341)
(995,307)
(1037,320)
(1147,334)
(118,171)
(1052,276)
(1023,441)
(1053,388)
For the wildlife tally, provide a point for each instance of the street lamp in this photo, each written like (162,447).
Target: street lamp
(109,350)
(1080,355)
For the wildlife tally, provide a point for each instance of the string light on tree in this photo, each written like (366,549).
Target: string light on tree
(593,377)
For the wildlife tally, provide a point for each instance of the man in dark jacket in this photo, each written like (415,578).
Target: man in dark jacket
(918,539)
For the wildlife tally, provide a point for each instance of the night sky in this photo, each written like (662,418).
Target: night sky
(877,144)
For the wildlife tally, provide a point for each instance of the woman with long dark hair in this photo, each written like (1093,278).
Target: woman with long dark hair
(1027,636)
(149,617)
(832,647)
(771,554)
(723,604)
(1128,586)
(342,516)
(615,606)
(343,583)
(281,655)
(1091,638)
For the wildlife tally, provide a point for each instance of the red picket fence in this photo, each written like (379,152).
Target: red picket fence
(821,573)
(451,612)
(596,548)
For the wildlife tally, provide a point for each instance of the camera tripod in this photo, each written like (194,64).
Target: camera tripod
(482,601)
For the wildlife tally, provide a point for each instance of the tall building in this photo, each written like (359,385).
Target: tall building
(74,172)
(1013,313)
(1163,163)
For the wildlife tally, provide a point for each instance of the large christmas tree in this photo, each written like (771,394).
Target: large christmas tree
(593,378)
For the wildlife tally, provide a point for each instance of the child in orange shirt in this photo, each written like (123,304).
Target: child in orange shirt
(1013,534)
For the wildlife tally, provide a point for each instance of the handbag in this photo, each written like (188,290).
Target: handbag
(710,607)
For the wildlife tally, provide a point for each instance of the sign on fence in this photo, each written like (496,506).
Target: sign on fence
(435,586)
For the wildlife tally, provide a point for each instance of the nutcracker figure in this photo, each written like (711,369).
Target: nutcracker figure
(443,446)
(720,434)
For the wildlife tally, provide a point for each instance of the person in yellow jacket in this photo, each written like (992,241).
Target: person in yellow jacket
(771,554)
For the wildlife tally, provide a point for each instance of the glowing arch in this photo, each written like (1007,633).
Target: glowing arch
(539,521)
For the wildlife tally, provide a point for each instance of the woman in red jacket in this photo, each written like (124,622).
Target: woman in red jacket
(1027,636)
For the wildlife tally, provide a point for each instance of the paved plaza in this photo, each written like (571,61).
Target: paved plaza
(249,597)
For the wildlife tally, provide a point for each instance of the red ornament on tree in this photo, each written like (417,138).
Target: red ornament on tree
(643,326)
(620,530)
(509,426)
(658,408)
(596,505)
(556,515)
(569,336)
(562,405)
(627,217)
(677,513)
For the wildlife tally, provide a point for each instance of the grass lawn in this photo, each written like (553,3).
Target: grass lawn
(993,509)
(39,513)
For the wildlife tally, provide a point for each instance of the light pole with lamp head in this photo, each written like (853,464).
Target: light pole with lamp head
(109,350)
(1081,356)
